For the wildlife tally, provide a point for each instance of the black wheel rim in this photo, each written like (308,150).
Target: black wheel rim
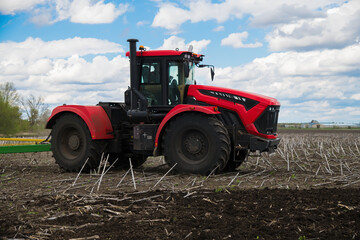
(71,143)
(193,146)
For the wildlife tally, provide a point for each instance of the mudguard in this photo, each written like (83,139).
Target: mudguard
(178,109)
(95,118)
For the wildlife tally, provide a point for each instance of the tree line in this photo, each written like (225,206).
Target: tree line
(21,114)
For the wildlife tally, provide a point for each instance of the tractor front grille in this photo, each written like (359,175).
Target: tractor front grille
(267,122)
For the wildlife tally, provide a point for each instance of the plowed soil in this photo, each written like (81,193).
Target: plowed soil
(308,190)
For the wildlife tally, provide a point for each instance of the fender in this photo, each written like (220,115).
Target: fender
(178,109)
(95,118)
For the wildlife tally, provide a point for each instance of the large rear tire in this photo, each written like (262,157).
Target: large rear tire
(72,145)
(197,143)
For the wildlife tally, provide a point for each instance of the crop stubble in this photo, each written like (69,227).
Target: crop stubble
(310,188)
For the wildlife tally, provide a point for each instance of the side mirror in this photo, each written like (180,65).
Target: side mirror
(186,69)
(212,72)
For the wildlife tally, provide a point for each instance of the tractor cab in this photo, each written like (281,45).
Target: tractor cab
(163,79)
(159,77)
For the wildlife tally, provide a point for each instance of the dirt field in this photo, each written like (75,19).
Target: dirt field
(309,189)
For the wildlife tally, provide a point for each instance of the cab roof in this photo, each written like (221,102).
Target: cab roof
(157,53)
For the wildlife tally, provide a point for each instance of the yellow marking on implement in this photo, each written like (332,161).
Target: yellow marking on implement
(23,139)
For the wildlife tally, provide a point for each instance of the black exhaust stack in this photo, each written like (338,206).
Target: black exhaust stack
(134,85)
(133,69)
(133,97)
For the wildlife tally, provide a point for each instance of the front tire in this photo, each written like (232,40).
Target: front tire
(197,143)
(72,145)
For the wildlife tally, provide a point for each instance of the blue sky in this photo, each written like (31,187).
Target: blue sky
(305,53)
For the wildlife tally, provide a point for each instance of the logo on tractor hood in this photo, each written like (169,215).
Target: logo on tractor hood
(246,102)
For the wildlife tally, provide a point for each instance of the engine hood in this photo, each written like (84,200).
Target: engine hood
(256,112)
(232,95)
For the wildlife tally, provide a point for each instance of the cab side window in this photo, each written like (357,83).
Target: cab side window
(150,85)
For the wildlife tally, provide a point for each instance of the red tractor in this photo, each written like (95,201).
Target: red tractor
(201,128)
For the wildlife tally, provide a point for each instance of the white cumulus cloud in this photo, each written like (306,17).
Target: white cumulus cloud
(219,29)
(170,17)
(36,48)
(236,40)
(83,11)
(262,13)
(356,96)
(77,11)
(338,28)
(59,71)
(142,23)
(174,42)
(13,6)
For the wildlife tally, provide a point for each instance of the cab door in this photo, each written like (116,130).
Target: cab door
(150,82)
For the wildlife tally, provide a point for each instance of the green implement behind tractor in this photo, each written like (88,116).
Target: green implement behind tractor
(19,145)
